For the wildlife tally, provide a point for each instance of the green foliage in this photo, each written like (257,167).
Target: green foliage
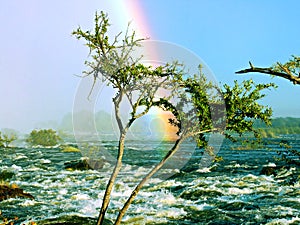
(111,61)
(5,139)
(243,108)
(291,67)
(201,108)
(45,137)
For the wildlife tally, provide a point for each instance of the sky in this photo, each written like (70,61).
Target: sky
(40,58)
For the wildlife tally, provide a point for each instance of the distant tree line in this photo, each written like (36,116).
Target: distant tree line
(280,126)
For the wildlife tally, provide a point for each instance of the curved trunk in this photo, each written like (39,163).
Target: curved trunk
(146,178)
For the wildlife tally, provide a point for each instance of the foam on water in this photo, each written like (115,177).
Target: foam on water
(28,203)
(284,221)
(45,161)
(63,191)
(89,207)
(173,213)
(79,196)
(238,191)
(19,156)
(168,199)
(16,168)
(204,170)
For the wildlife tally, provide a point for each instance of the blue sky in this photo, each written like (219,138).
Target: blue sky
(39,57)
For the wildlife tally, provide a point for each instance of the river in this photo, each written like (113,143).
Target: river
(230,191)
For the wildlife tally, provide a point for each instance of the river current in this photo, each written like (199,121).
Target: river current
(231,191)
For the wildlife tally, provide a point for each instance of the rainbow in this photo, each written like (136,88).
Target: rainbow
(133,12)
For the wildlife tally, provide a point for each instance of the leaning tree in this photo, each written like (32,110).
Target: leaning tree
(196,106)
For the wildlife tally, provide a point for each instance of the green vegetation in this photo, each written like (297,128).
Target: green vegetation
(280,126)
(67,148)
(6,139)
(230,111)
(45,137)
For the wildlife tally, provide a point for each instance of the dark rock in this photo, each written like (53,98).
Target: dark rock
(291,180)
(84,164)
(96,164)
(198,194)
(282,173)
(288,177)
(197,216)
(77,165)
(6,175)
(269,170)
(237,206)
(12,192)
(72,220)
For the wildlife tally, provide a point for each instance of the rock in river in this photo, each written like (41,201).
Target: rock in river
(83,164)
(12,192)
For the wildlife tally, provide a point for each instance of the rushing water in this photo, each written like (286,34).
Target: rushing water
(231,191)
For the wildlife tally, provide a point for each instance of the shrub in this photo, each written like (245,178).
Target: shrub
(45,137)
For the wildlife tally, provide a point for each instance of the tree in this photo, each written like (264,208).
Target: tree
(6,139)
(201,107)
(44,137)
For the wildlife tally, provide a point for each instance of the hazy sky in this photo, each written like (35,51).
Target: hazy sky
(39,57)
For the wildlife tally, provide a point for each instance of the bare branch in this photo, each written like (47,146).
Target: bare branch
(286,75)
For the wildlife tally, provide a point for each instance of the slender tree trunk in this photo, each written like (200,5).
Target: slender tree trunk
(146,178)
(106,198)
(110,185)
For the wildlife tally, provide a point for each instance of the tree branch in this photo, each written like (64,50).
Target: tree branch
(286,75)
